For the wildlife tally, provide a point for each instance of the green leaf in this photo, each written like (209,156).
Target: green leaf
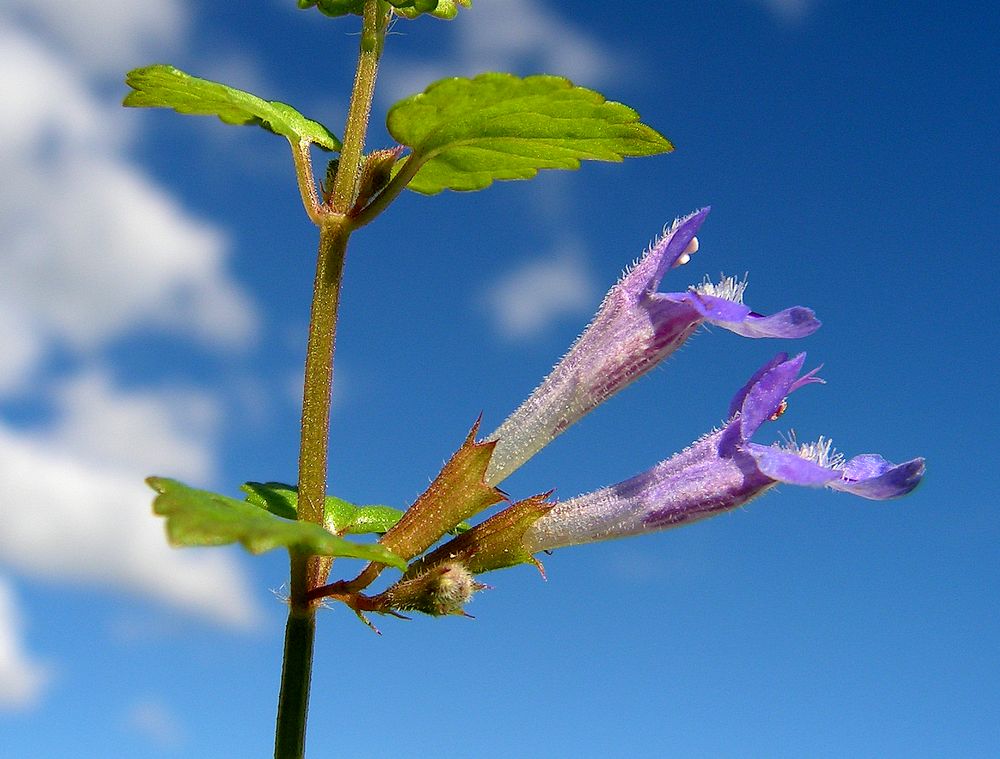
(200,518)
(446,9)
(466,133)
(342,516)
(162,86)
(333,7)
(276,497)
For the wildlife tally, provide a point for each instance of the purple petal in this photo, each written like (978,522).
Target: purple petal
(737,403)
(890,483)
(714,309)
(720,472)
(634,329)
(701,481)
(767,393)
(646,275)
(866,466)
(791,323)
(786,466)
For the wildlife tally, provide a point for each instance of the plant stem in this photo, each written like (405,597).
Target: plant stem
(373,28)
(307,572)
(319,372)
(296,669)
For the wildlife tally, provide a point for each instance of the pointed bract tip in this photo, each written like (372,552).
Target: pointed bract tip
(471,437)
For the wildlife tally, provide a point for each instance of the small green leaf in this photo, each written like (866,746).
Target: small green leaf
(466,133)
(446,9)
(200,518)
(363,519)
(276,497)
(162,86)
(343,517)
(333,7)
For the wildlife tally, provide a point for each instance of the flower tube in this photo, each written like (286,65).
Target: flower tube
(720,472)
(635,328)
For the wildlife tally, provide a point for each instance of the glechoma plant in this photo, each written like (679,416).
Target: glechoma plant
(463,134)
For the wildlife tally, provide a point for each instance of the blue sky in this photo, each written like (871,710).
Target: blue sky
(154,277)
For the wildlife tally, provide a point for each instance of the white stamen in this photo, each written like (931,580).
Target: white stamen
(729,288)
(821,452)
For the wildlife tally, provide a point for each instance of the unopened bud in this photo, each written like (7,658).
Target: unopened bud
(442,589)
(326,186)
(375,174)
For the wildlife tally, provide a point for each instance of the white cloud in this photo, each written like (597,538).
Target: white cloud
(105,35)
(45,99)
(119,255)
(75,505)
(152,719)
(21,350)
(67,519)
(140,431)
(511,35)
(22,678)
(93,248)
(528,299)
(505,33)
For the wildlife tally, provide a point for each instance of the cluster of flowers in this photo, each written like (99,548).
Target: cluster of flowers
(635,329)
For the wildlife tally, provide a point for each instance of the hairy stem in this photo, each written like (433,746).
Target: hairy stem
(319,372)
(308,572)
(374,24)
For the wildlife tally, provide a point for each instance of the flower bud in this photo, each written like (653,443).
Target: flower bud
(442,589)
(375,174)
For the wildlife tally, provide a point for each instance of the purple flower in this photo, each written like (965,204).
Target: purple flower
(721,471)
(635,328)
